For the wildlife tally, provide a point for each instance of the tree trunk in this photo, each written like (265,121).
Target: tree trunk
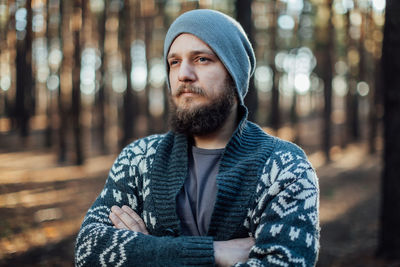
(148,29)
(275,114)
(352,122)
(101,95)
(62,112)
(243,16)
(362,74)
(24,104)
(327,78)
(76,92)
(4,28)
(375,104)
(375,97)
(389,238)
(125,35)
(49,111)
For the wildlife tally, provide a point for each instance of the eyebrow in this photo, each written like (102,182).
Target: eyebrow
(194,52)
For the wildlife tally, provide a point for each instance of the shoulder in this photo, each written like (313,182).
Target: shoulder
(136,158)
(288,152)
(287,164)
(143,148)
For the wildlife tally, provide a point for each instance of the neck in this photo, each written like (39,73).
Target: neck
(221,137)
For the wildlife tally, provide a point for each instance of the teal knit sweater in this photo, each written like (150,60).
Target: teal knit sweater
(267,189)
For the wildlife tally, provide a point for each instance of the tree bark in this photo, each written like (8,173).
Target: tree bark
(79,6)
(375,97)
(275,114)
(243,16)
(101,95)
(24,104)
(49,111)
(389,238)
(327,78)
(62,112)
(352,121)
(375,107)
(125,35)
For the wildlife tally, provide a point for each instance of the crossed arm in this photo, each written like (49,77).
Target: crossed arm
(226,253)
(283,222)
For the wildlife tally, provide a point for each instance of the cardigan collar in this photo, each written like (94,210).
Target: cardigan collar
(240,167)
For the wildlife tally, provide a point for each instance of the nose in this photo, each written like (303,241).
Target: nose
(186,72)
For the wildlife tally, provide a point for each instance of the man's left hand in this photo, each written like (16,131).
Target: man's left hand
(126,218)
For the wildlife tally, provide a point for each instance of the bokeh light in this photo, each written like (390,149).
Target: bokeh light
(55,57)
(286,22)
(302,83)
(139,65)
(38,23)
(96,6)
(5,83)
(90,62)
(20,19)
(157,73)
(339,85)
(362,88)
(264,78)
(341,67)
(119,82)
(379,5)
(53,82)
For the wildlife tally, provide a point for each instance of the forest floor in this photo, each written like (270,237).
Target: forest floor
(42,205)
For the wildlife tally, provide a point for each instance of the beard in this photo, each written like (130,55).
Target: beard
(204,119)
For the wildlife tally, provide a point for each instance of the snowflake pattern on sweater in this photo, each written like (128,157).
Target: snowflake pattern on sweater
(280,208)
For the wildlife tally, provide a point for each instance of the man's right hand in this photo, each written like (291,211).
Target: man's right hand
(230,252)
(126,218)
(226,253)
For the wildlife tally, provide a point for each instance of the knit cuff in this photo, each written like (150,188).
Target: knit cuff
(197,250)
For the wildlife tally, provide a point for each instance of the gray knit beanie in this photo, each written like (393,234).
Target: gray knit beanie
(226,38)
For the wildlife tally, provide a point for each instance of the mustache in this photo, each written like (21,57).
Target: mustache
(190,89)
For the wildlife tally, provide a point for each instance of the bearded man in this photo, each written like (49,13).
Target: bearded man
(216,189)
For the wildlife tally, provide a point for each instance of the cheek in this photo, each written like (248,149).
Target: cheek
(172,83)
(216,84)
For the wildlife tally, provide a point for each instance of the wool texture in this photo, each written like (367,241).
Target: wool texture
(267,189)
(225,36)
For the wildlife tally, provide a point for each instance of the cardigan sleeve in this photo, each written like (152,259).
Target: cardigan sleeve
(100,244)
(284,221)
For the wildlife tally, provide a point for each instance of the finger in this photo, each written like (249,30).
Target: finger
(136,217)
(117,210)
(130,222)
(118,223)
(124,219)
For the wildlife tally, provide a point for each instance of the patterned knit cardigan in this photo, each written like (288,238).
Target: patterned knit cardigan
(267,189)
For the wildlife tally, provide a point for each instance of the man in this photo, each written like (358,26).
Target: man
(216,189)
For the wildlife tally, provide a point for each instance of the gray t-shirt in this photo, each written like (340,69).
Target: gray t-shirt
(195,201)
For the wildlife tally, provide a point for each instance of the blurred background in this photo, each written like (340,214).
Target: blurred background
(80,79)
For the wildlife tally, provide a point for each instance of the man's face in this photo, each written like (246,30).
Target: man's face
(196,74)
(202,91)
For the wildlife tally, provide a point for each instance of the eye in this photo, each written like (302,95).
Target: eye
(203,59)
(173,62)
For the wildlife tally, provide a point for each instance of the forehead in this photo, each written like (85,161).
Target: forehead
(187,43)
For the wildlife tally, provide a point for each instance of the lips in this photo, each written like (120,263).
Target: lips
(189,90)
(187,93)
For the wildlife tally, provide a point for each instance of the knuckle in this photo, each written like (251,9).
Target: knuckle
(132,224)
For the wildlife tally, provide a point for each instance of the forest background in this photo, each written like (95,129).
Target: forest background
(79,80)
